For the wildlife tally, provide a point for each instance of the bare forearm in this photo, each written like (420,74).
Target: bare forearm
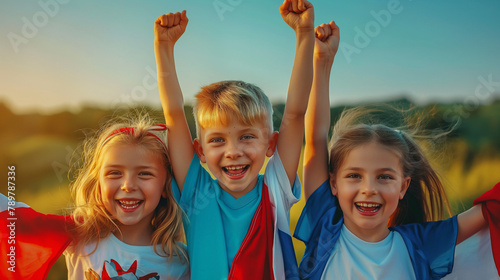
(302,74)
(470,222)
(318,109)
(317,125)
(168,84)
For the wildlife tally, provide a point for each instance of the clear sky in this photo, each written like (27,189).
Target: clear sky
(57,54)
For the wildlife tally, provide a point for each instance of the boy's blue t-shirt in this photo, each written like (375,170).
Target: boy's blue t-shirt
(237,215)
(216,223)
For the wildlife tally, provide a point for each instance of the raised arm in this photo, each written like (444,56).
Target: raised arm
(168,29)
(298,14)
(317,121)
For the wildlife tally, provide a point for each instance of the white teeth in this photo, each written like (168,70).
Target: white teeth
(367,205)
(231,169)
(129,204)
(129,201)
(235,167)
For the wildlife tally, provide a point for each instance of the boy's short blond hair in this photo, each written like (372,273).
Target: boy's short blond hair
(218,103)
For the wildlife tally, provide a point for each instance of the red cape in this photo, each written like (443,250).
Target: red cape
(31,242)
(490,201)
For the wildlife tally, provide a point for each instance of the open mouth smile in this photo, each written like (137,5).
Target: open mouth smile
(129,205)
(235,171)
(368,208)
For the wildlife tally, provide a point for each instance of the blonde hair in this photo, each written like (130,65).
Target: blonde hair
(92,220)
(425,199)
(218,103)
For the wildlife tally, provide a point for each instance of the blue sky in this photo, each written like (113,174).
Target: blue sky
(58,54)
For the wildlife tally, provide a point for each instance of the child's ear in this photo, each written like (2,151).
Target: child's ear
(273,141)
(164,193)
(333,185)
(404,187)
(199,150)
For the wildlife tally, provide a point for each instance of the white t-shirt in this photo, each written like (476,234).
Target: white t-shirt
(353,258)
(474,259)
(115,258)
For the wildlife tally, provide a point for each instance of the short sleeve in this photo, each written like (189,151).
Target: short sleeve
(314,213)
(197,188)
(434,241)
(276,179)
(319,228)
(175,190)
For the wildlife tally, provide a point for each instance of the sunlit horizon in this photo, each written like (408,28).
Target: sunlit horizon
(59,55)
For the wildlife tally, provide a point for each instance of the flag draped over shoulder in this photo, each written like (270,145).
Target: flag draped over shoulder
(30,242)
(254,258)
(490,201)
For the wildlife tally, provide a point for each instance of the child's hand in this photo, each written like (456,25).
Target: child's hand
(298,14)
(327,41)
(170,27)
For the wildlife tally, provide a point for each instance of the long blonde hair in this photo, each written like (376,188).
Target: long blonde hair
(92,220)
(425,199)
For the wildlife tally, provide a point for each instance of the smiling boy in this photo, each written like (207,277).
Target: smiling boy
(237,226)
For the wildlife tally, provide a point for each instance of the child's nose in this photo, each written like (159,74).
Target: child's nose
(233,150)
(368,187)
(129,185)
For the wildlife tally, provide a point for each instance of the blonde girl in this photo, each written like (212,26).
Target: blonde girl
(126,221)
(370,195)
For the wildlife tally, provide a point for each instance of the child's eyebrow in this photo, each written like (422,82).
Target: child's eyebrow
(250,129)
(213,134)
(116,165)
(348,168)
(354,168)
(390,169)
